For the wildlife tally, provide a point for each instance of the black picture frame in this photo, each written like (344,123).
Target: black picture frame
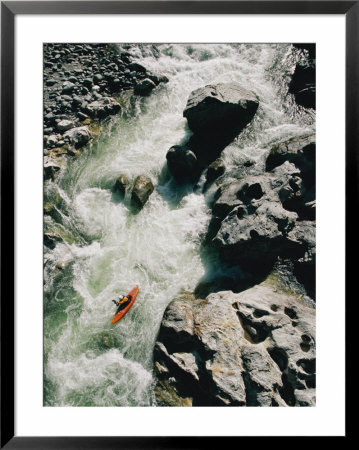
(9,10)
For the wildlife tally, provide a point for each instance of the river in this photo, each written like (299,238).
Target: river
(107,249)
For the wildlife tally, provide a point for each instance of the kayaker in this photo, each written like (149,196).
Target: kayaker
(122,301)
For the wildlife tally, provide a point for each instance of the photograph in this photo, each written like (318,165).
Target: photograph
(179,224)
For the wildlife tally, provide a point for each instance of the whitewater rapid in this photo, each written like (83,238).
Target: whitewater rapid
(107,250)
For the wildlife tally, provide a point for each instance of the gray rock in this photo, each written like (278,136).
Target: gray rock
(220,105)
(64,125)
(79,136)
(298,150)
(102,107)
(256,348)
(256,226)
(141,191)
(182,163)
(67,87)
(144,87)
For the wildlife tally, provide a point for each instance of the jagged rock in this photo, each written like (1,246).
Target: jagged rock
(255,229)
(256,348)
(102,107)
(304,235)
(182,163)
(141,191)
(221,105)
(298,150)
(299,193)
(121,185)
(144,87)
(78,136)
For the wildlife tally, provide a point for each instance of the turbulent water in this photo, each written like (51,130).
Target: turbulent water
(106,249)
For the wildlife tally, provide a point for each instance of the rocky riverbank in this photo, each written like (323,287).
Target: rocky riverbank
(253,345)
(83,85)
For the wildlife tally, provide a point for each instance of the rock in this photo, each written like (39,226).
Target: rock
(102,107)
(298,150)
(215,170)
(254,232)
(141,191)
(50,82)
(298,194)
(157,79)
(144,87)
(310,48)
(256,348)
(182,163)
(50,240)
(51,167)
(52,140)
(79,136)
(136,67)
(302,85)
(303,236)
(220,106)
(67,87)
(121,185)
(64,125)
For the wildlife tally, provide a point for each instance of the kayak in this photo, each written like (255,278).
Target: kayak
(125,310)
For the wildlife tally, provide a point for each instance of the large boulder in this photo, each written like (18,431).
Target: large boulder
(141,191)
(255,227)
(256,348)
(182,163)
(217,114)
(223,105)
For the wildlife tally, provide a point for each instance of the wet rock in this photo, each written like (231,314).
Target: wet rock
(144,87)
(102,108)
(256,348)
(182,164)
(78,137)
(51,167)
(121,185)
(51,239)
(141,191)
(215,170)
(223,106)
(302,85)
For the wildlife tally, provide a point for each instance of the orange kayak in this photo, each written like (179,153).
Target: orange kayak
(125,310)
